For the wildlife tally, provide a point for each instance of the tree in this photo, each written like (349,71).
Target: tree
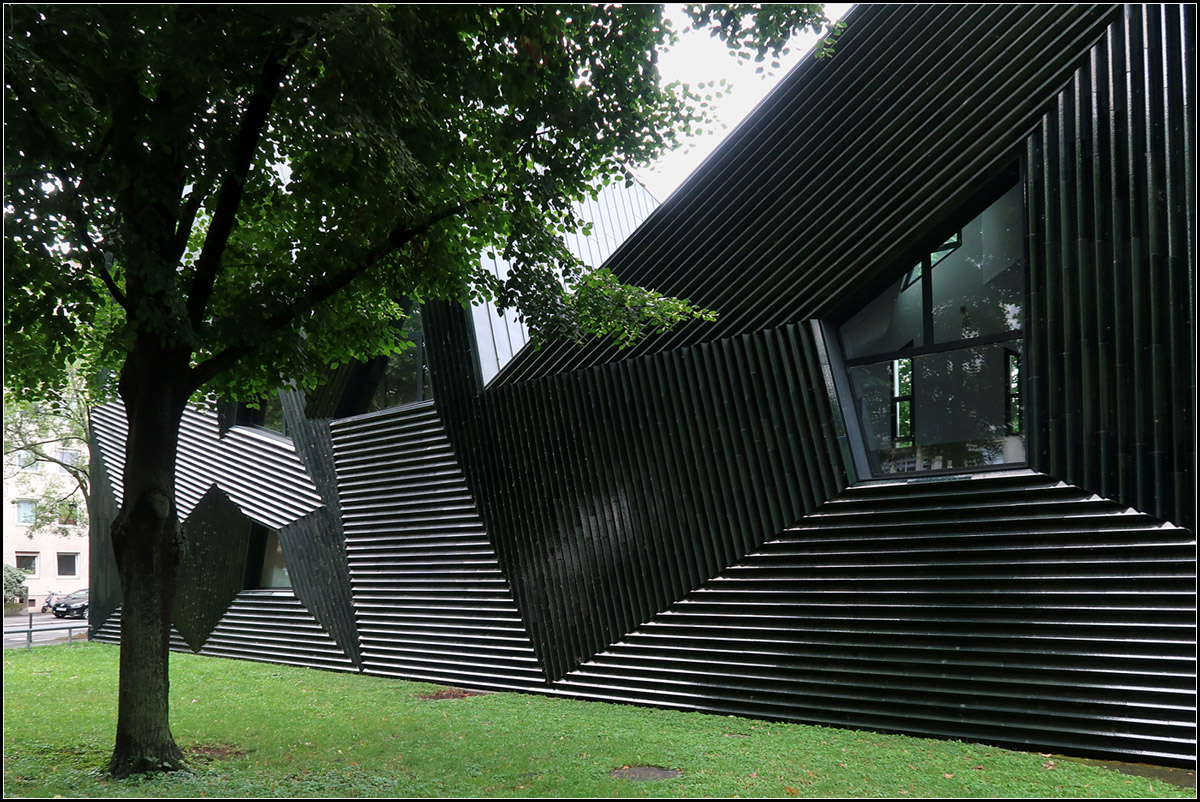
(14,584)
(45,456)
(225,198)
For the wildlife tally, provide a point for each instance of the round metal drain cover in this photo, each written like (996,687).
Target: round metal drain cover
(645,773)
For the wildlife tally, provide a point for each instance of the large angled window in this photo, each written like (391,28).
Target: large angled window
(934,361)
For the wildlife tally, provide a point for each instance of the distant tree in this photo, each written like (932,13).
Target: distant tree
(230,197)
(46,457)
(14,584)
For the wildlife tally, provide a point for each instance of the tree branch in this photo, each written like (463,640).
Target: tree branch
(79,223)
(254,122)
(396,239)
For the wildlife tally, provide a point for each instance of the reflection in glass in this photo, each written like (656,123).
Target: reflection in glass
(274,569)
(890,322)
(959,412)
(403,377)
(979,288)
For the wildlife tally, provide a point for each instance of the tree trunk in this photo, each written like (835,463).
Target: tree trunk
(146,544)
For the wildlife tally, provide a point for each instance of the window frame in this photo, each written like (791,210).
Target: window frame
(58,564)
(20,503)
(37,563)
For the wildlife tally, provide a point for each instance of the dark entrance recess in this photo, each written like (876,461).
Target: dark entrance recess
(265,564)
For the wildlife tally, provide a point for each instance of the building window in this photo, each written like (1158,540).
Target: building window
(934,361)
(67,459)
(68,565)
(265,564)
(28,562)
(28,461)
(68,513)
(26,511)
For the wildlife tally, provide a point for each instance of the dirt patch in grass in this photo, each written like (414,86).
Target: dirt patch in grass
(1183,778)
(447,693)
(207,753)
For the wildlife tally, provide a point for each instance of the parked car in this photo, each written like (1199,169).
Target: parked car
(73,604)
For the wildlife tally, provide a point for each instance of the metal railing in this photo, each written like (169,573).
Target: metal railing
(30,629)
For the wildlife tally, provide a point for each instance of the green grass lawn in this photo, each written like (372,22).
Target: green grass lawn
(254,729)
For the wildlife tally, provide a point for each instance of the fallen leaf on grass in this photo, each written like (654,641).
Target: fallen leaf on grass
(791,791)
(948,776)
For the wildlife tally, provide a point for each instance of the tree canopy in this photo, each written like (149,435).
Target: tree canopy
(222,176)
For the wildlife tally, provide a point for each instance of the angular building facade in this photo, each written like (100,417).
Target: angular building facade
(931,471)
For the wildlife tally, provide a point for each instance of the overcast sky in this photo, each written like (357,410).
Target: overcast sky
(700,58)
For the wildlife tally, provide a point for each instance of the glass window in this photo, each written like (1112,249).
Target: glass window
(67,458)
(68,513)
(402,378)
(68,565)
(28,461)
(891,322)
(978,289)
(26,512)
(28,563)
(274,569)
(935,360)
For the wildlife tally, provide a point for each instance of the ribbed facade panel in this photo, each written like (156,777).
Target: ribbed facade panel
(610,493)
(275,627)
(1008,608)
(431,601)
(212,568)
(1111,173)
(270,626)
(884,141)
(315,545)
(259,469)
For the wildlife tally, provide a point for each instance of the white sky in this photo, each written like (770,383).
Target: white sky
(700,58)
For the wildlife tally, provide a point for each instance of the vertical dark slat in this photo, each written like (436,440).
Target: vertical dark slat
(772,387)
(1067,268)
(1103,187)
(645,488)
(1180,154)
(643,581)
(574,565)
(711,390)
(748,397)
(697,476)
(628,572)
(1122,314)
(741,450)
(652,490)
(1085,268)
(1158,247)
(536,573)
(1055,421)
(1143,490)
(600,592)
